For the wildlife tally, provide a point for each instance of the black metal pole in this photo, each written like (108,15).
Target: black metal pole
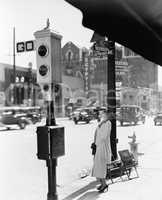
(52,193)
(111,93)
(52,162)
(50,120)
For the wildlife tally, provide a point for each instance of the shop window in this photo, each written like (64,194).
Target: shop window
(144,98)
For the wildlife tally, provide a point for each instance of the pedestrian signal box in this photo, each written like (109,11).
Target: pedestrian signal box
(50,142)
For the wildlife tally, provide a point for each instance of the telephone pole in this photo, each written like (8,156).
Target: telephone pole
(14,67)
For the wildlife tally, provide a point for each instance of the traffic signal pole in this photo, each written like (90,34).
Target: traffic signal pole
(51,163)
(52,192)
(111,93)
(50,138)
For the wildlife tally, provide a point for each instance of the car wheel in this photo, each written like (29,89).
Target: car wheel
(22,125)
(155,123)
(121,123)
(143,121)
(75,121)
(87,121)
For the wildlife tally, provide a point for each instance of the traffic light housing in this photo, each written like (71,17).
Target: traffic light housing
(49,72)
(48,54)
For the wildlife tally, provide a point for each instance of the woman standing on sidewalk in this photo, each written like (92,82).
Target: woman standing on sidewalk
(103,150)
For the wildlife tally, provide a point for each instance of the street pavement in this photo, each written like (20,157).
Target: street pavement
(23,176)
(147,186)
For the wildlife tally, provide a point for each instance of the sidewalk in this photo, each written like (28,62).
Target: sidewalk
(147,186)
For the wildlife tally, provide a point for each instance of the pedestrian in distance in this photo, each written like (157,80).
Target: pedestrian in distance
(101,149)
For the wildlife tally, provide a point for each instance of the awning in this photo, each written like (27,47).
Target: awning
(136,24)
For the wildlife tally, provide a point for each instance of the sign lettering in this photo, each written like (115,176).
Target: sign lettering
(20,46)
(25,46)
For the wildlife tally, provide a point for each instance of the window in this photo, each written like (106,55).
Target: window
(144,98)
(69,56)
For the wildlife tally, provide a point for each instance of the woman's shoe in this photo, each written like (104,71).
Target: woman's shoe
(99,187)
(103,189)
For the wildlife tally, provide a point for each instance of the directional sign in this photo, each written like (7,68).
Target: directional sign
(25,46)
(20,47)
(29,45)
(99,54)
(100,48)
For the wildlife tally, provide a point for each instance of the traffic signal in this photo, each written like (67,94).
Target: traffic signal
(134,24)
(48,53)
(44,64)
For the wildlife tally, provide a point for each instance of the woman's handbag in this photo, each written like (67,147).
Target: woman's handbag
(93,147)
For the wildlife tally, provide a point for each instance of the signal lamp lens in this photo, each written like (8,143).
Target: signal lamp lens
(43,70)
(42,50)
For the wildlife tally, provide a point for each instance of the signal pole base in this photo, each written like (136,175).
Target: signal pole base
(52,197)
(52,193)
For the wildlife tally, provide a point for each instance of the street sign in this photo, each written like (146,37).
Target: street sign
(25,46)
(100,48)
(99,54)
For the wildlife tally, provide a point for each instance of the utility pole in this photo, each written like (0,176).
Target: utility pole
(50,138)
(14,67)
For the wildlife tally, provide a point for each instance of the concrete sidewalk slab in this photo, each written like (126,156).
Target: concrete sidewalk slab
(147,186)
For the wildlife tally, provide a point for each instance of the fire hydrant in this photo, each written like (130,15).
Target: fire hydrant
(134,146)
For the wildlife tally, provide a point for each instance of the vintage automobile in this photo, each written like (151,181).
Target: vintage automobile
(33,114)
(11,116)
(158,119)
(130,114)
(81,114)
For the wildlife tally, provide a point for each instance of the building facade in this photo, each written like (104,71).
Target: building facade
(142,87)
(84,78)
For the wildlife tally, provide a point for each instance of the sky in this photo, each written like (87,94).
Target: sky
(28,16)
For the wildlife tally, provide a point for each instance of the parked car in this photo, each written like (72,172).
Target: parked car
(33,114)
(158,119)
(130,114)
(81,114)
(11,116)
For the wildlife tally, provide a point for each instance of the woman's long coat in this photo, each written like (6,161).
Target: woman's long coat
(103,151)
